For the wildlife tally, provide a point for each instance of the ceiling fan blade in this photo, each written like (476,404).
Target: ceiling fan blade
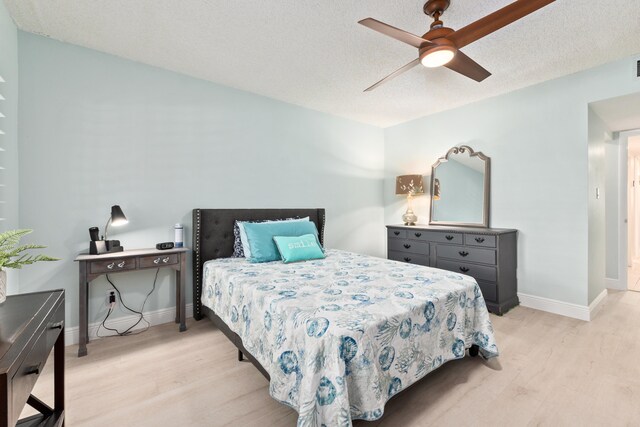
(396,33)
(495,21)
(396,73)
(466,66)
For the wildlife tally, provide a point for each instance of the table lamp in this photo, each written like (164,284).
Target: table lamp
(103,246)
(409,185)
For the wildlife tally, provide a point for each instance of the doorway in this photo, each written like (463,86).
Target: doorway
(633,213)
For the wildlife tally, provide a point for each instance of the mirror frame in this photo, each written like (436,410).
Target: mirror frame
(487,187)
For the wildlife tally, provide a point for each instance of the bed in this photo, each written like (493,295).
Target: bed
(336,337)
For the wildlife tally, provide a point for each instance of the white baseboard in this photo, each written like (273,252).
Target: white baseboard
(554,306)
(157,317)
(596,304)
(576,311)
(615,284)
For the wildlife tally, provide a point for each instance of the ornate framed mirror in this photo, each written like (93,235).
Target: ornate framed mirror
(460,186)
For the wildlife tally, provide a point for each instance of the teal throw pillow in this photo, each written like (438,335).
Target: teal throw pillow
(299,248)
(260,237)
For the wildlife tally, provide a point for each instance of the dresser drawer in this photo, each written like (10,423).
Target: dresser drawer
(406,245)
(478,272)
(396,233)
(157,260)
(27,374)
(489,291)
(462,253)
(480,240)
(420,259)
(440,237)
(114,264)
(417,235)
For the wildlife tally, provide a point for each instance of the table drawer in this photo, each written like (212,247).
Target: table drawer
(462,253)
(157,260)
(420,259)
(396,233)
(27,374)
(439,237)
(478,272)
(406,245)
(55,324)
(113,264)
(480,240)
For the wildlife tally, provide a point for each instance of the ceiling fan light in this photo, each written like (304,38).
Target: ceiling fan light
(438,56)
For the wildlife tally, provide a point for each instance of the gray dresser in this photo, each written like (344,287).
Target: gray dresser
(487,254)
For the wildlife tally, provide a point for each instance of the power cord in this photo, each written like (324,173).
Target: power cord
(140,313)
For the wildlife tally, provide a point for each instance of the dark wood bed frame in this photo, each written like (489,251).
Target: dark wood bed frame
(213,238)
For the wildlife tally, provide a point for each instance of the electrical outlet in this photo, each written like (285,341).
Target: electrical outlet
(111,297)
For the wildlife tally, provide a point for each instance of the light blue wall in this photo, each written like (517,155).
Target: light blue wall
(538,143)
(9,124)
(461,194)
(97,130)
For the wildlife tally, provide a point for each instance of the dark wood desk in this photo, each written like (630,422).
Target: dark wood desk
(30,326)
(94,266)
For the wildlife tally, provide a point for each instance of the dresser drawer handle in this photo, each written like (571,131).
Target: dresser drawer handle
(407,246)
(57,325)
(165,260)
(463,253)
(479,239)
(110,266)
(464,269)
(449,237)
(121,264)
(418,234)
(157,260)
(33,370)
(397,233)
(407,259)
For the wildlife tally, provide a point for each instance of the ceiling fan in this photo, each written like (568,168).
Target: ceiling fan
(440,46)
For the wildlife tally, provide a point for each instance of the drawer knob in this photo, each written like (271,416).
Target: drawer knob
(397,233)
(479,239)
(448,237)
(407,246)
(121,264)
(57,325)
(166,260)
(463,253)
(407,259)
(110,266)
(156,261)
(418,234)
(464,269)
(33,370)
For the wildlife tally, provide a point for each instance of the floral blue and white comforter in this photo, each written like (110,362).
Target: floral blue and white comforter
(342,335)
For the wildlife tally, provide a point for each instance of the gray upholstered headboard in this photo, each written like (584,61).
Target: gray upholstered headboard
(213,236)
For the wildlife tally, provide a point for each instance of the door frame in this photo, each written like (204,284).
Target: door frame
(623,226)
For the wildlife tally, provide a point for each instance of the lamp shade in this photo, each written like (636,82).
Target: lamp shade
(117,216)
(436,189)
(409,185)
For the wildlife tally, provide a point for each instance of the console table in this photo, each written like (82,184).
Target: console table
(94,266)
(30,326)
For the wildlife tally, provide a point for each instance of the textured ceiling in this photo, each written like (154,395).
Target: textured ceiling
(314,54)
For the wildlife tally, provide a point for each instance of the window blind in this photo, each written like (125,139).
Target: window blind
(3,143)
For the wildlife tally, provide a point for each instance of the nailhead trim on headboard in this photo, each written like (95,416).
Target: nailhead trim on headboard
(197,306)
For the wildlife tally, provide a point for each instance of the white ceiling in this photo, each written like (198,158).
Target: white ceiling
(314,54)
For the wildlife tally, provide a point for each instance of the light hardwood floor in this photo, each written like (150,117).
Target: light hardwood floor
(552,371)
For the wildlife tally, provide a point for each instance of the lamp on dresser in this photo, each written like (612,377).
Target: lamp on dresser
(410,186)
